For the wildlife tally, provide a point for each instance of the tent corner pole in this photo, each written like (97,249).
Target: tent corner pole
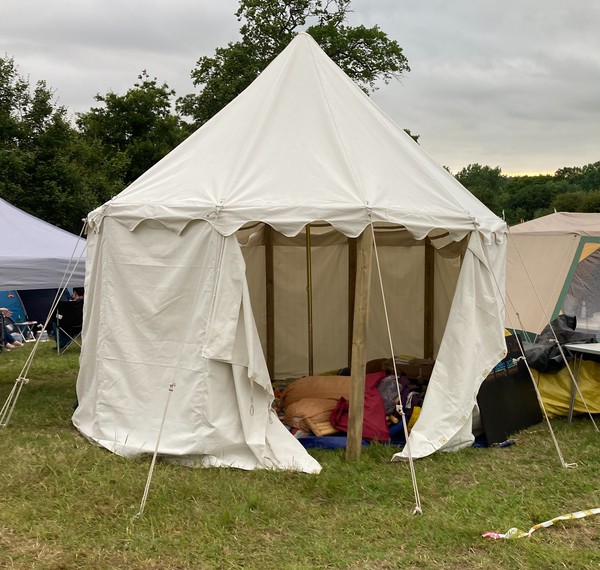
(359,344)
(351,294)
(270,300)
(429,295)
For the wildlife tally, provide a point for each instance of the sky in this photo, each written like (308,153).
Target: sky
(512,84)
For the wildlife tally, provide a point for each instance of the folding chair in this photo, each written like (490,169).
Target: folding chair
(69,321)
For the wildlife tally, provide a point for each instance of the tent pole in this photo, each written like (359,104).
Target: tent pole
(351,293)
(270,301)
(429,299)
(359,344)
(309,292)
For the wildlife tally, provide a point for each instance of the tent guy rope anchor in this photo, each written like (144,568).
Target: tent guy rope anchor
(153,463)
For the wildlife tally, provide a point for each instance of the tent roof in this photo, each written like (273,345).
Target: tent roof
(302,143)
(560,223)
(36,254)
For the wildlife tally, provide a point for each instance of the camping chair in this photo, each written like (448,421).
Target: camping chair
(69,321)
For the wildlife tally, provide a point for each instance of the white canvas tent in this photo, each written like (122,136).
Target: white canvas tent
(170,292)
(36,254)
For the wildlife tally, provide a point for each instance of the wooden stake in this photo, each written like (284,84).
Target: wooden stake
(359,344)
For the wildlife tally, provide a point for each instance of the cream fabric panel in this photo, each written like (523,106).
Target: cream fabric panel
(403,282)
(536,270)
(166,309)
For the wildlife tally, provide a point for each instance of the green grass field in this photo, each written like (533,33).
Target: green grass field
(66,504)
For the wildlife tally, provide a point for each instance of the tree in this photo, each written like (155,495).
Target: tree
(529,197)
(484,182)
(137,128)
(45,167)
(415,138)
(586,178)
(365,54)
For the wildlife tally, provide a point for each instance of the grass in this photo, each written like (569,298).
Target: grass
(66,504)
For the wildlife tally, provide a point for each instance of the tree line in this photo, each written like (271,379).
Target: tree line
(59,169)
(522,198)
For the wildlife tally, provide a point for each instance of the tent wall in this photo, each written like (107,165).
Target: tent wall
(168,309)
(543,258)
(537,267)
(402,262)
(581,291)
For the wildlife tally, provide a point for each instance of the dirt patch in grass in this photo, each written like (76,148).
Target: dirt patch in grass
(16,548)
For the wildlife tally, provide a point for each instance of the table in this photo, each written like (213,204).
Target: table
(579,350)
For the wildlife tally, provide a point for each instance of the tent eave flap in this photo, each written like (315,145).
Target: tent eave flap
(350,220)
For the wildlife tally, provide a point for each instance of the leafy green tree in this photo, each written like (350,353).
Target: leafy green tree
(577,202)
(485,183)
(569,202)
(528,197)
(365,54)
(586,178)
(45,167)
(137,128)
(592,202)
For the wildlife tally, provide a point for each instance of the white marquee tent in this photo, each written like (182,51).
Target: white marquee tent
(198,269)
(36,254)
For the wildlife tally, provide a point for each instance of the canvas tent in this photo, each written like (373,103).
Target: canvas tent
(36,254)
(198,270)
(553,268)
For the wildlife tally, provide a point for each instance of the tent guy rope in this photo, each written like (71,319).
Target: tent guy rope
(418,509)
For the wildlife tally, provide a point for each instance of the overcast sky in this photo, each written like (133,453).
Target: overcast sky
(512,83)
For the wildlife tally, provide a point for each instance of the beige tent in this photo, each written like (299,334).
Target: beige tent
(553,268)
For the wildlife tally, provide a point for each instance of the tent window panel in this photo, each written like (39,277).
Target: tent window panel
(446,278)
(403,282)
(156,287)
(536,269)
(291,320)
(330,307)
(583,296)
(330,301)
(254,258)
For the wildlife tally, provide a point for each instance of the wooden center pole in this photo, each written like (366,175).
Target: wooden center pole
(359,344)
(309,301)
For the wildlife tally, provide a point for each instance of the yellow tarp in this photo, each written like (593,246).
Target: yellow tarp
(555,390)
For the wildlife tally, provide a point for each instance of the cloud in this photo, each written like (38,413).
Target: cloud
(511,84)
